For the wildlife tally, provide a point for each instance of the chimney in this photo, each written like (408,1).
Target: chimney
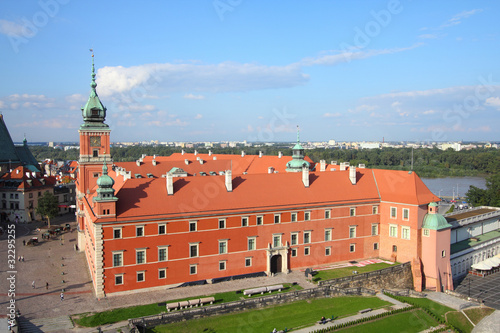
(182,152)
(201,160)
(215,158)
(138,162)
(229,181)
(209,153)
(242,153)
(305,176)
(322,166)
(195,152)
(170,184)
(280,154)
(352,175)
(186,161)
(270,170)
(333,162)
(260,154)
(154,162)
(342,166)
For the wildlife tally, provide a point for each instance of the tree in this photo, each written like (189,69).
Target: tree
(489,197)
(48,206)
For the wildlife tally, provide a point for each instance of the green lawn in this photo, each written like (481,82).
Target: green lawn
(458,320)
(436,308)
(477,314)
(116,315)
(408,322)
(347,271)
(291,315)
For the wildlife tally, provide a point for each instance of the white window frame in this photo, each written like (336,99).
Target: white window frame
(252,243)
(115,230)
(224,249)
(307,250)
(261,218)
(393,230)
(375,246)
(328,234)
(351,233)
(278,216)
(222,265)
(143,276)
(307,215)
(407,211)
(137,251)
(222,223)
(352,248)
(120,253)
(395,216)
(137,228)
(296,235)
(197,245)
(161,248)
(374,229)
(328,251)
(248,260)
(121,277)
(426,232)
(352,211)
(374,210)
(293,217)
(294,252)
(195,223)
(164,270)
(274,240)
(405,232)
(443,254)
(307,237)
(164,225)
(328,213)
(195,266)
(244,221)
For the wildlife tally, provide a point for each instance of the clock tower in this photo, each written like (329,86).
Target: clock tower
(94,142)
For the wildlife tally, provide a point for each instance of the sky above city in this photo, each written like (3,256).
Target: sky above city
(218,70)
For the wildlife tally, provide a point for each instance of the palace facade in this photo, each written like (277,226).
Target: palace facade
(163,222)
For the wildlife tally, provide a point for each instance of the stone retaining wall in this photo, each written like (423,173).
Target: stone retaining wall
(366,284)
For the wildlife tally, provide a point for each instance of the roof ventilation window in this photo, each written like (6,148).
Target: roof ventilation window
(149,175)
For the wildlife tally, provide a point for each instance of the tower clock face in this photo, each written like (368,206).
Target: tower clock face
(95,141)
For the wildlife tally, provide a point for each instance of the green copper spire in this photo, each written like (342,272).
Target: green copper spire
(94,113)
(105,184)
(297,162)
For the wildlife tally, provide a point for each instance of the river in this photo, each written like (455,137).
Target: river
(450,186)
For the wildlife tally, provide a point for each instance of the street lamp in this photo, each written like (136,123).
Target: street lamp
(440,193)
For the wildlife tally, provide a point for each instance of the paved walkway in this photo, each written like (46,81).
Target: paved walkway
(449,300)
(490,324)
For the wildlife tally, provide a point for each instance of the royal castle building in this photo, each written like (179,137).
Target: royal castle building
(163,222)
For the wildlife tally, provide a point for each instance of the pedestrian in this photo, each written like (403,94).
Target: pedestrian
(33,284)
(62,296)
(22,258)
(46,285)
(24,242)
(18,258)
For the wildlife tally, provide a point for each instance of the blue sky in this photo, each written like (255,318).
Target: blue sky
(213,70)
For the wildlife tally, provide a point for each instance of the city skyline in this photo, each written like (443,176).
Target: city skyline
(237,70)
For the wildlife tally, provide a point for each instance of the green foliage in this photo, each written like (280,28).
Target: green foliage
(488,197)
(460,322)
(48,206)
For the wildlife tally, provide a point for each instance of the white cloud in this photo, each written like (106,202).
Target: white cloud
(349,55)
(138,82)
(198,116)
(332,115)
(457,19)
(493,101)
(427,112)
(191,96)
(26,101)
(10,28)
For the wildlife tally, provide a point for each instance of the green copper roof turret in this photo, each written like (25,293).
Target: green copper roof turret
(105,184)
(297,162)
(94,112)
